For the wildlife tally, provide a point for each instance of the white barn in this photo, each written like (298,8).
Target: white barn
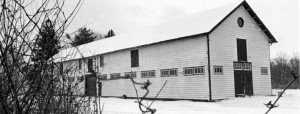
(216,54)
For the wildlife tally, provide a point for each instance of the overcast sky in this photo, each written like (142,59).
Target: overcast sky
(280,16)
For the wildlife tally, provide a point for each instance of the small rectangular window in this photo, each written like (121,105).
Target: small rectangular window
(199,70)
(101,61)
(90,65)
(146,74)
(130,74)
(264,70)
(115,76)
(193,70)
(134,58)
(173,72)
(165,72)
(218,70)
(188,71)
(169,72)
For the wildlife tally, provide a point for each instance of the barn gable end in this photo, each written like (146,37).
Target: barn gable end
(223,52)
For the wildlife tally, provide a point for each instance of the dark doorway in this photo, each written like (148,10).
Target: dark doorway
(90,85)
(243,78)
(241,49)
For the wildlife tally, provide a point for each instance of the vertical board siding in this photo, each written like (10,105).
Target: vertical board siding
(224,52)
(188,52)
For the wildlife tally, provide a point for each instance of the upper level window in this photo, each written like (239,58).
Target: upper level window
(241,49)
(130,74)
(264,70)
(61,68)
(79,64)
(218,70)
(240,22)
(101,61)
(148,73)
(90,65)
(134,58)
(169,72)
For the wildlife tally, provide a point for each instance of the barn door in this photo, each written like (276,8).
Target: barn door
(243,78)
(90,85)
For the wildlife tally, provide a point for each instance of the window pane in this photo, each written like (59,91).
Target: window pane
(188,71)
(218,70)
(101,61)
(264,70)
(164,72)
(149,73)
(115,76)
(134,58)
(144,74)
(133,74)
(90,65)
(79,64)
(199,70)
(173,72)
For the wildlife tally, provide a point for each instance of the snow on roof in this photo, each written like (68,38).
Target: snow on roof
(201,22)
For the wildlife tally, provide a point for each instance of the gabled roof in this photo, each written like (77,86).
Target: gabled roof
(199,23)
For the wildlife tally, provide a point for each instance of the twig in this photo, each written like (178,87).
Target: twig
(145,86)
(158,92)
(271,105)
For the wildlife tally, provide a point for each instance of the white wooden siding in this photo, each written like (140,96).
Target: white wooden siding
(223,50)
(178,54)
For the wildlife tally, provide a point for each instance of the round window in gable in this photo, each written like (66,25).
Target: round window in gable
(240,22)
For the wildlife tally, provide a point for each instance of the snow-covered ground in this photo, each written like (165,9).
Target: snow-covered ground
(289,104)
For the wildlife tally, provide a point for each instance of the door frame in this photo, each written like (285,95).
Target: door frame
(248,85)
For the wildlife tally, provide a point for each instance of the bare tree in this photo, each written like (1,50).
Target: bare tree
(30,81)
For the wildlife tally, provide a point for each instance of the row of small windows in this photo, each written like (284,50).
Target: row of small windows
(151,73)
(187,71)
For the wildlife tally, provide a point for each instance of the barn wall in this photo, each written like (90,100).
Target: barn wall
(224,51)
(188,52)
